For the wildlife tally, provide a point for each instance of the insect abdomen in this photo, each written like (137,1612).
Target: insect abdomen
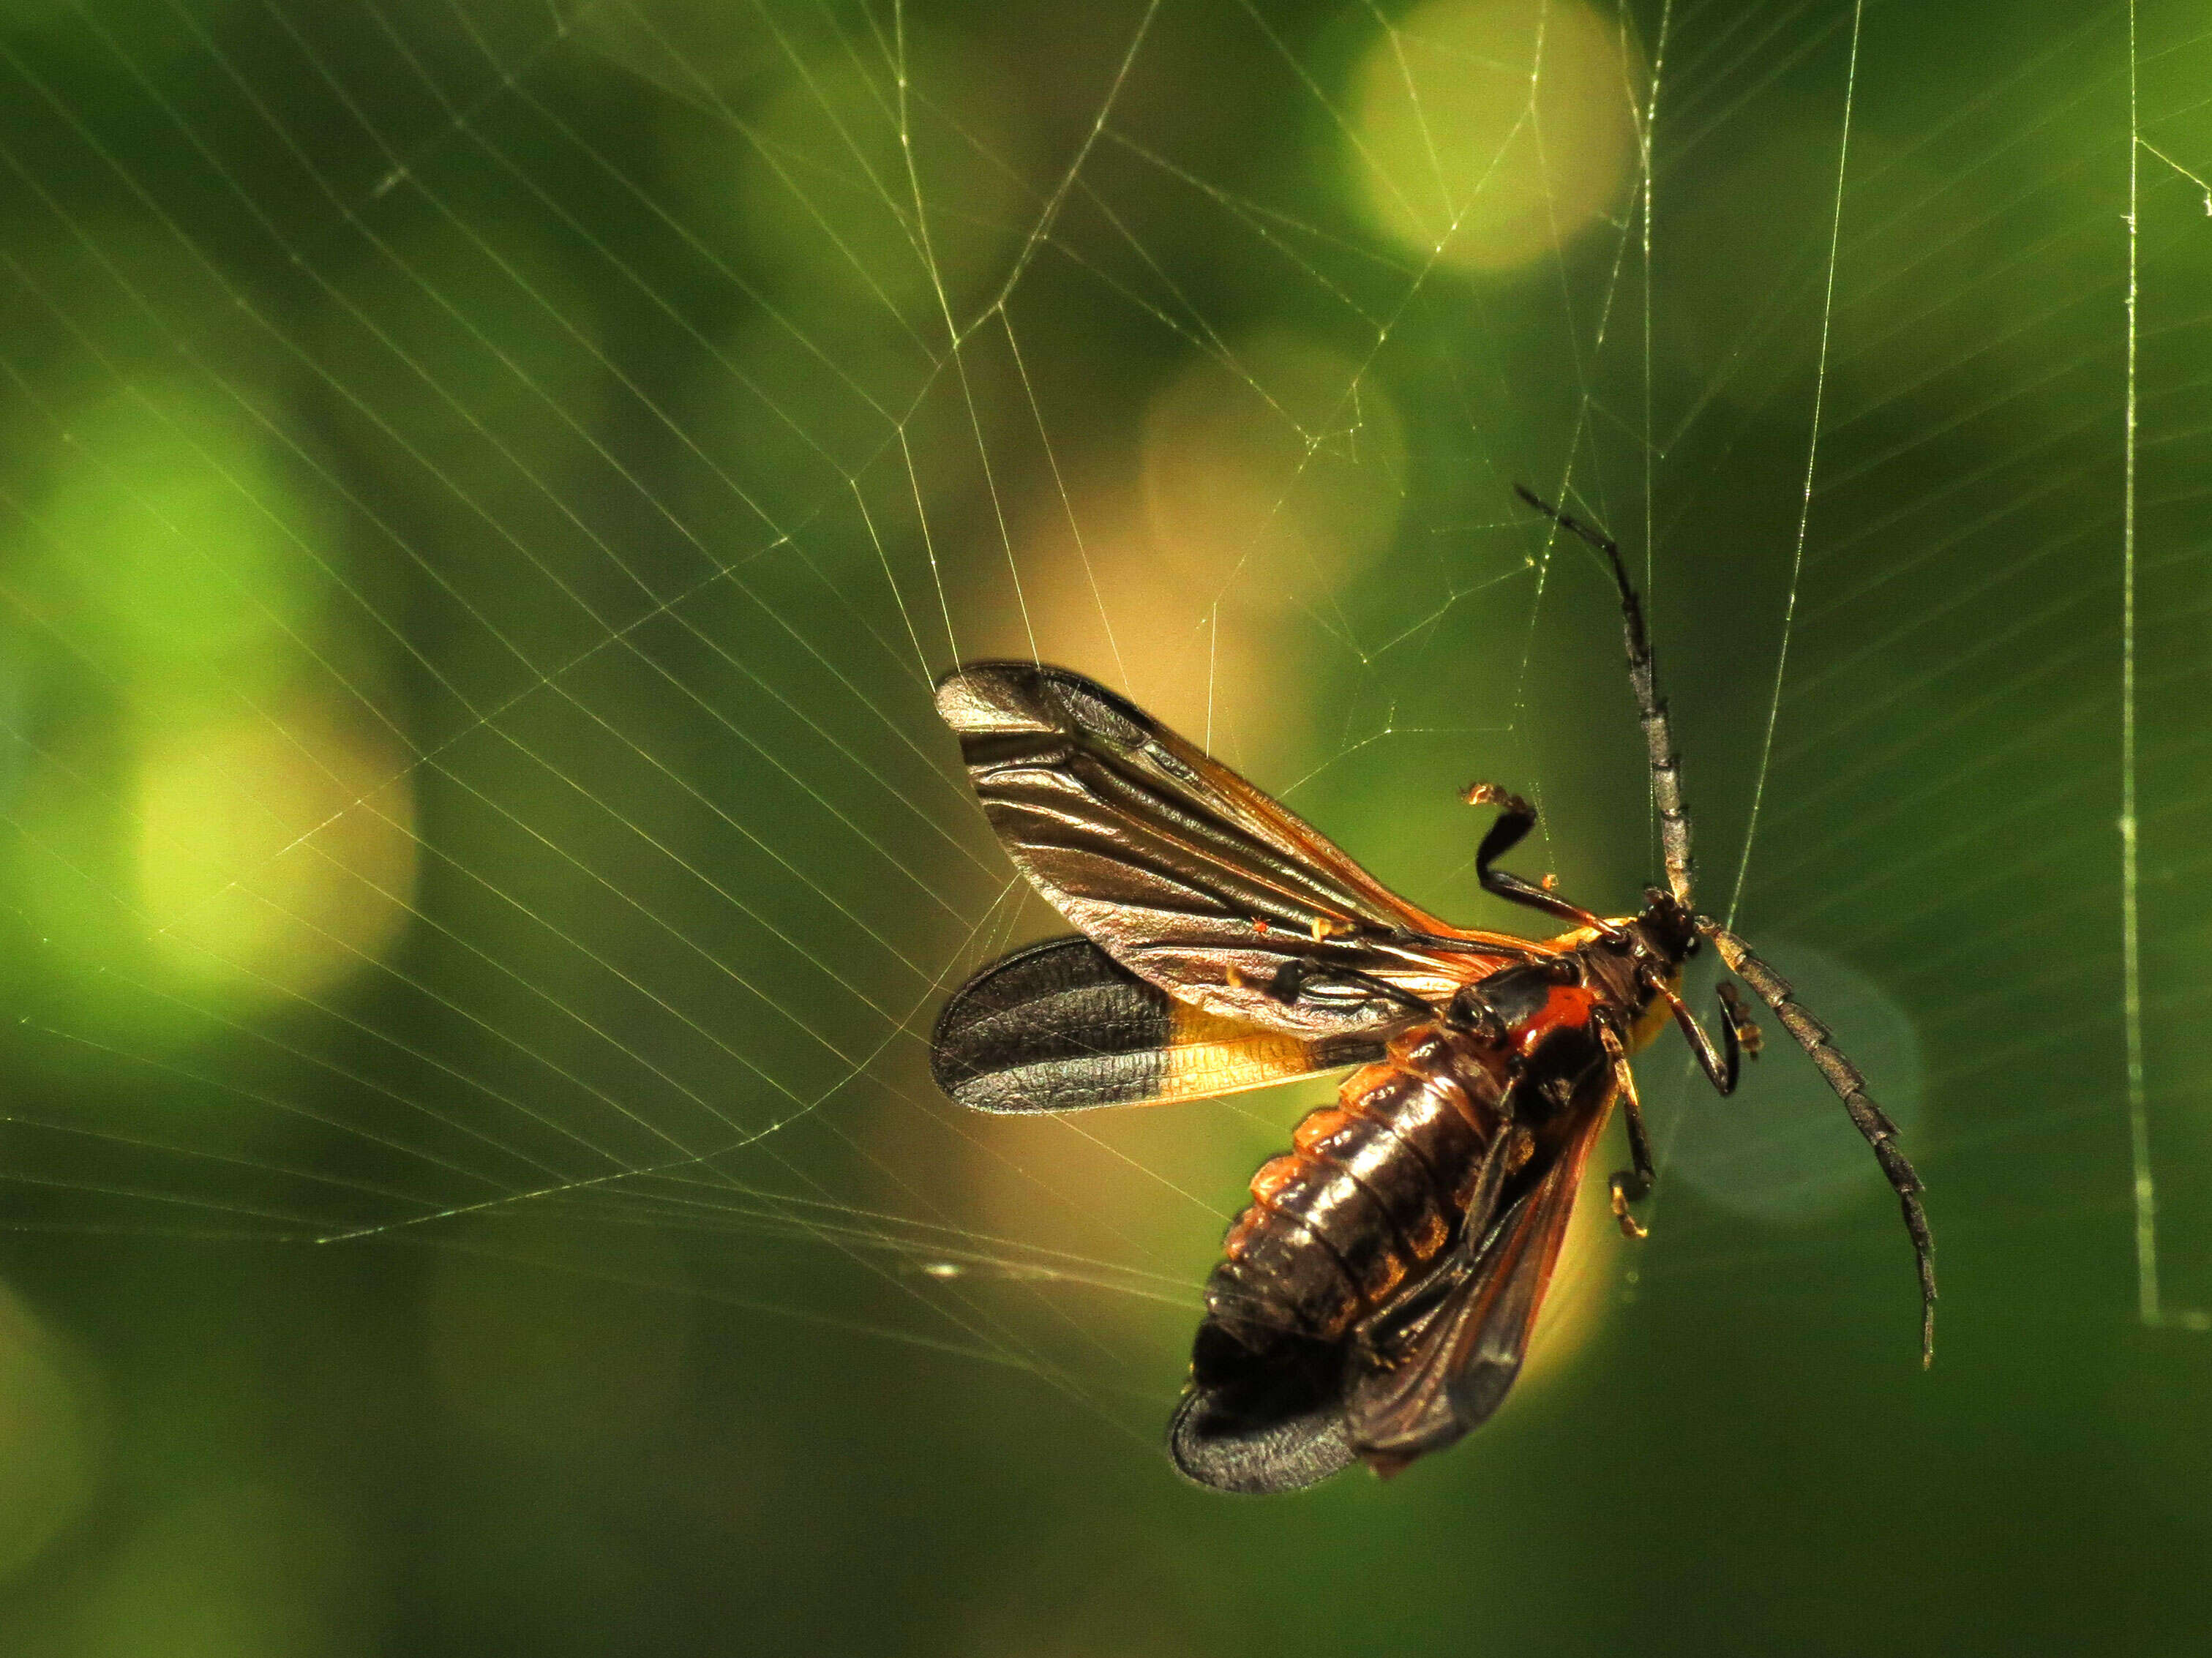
(1374,1189)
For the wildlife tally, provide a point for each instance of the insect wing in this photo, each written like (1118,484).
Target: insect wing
(1062,1026)
(1466,1332)
(1281,1428)
(1179,868)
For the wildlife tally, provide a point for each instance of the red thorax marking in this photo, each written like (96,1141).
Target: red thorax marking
(1566,1005)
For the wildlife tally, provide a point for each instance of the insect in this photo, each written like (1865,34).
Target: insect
(1375,1301)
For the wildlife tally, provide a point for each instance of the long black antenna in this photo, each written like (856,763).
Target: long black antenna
(1651,708)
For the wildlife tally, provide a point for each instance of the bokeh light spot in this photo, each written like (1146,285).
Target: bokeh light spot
(244,1571)
(1781,1149)
(1273,475)
(48,1450)
(273,856)
(1486,133)
(167,550)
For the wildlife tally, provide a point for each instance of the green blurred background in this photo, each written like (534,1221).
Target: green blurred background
(486,487)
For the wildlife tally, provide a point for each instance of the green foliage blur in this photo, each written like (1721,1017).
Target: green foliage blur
(486,489)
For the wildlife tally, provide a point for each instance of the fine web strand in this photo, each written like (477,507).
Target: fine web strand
(2144,1186)
(1812,462)
(2150,1305)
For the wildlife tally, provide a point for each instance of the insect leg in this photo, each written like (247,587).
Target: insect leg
(1633,1184)
(1844,1077)
(1740,1022)
(1720,1068)
(1650,707)
(1515,817)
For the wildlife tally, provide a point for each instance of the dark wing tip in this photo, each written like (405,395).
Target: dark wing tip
(1259,1422)
(1224,1447)
(1057,1026)
(965,1053)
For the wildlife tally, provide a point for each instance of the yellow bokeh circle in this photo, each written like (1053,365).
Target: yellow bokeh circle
(1487,133)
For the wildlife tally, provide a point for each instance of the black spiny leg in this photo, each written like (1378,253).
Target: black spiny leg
(1633,1184)
(1740,1022)
(1720,1068)
(1515,817)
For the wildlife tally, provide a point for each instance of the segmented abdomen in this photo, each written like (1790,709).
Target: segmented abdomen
(1372,1190)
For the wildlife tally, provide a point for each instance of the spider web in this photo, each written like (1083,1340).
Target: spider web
(490,491)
